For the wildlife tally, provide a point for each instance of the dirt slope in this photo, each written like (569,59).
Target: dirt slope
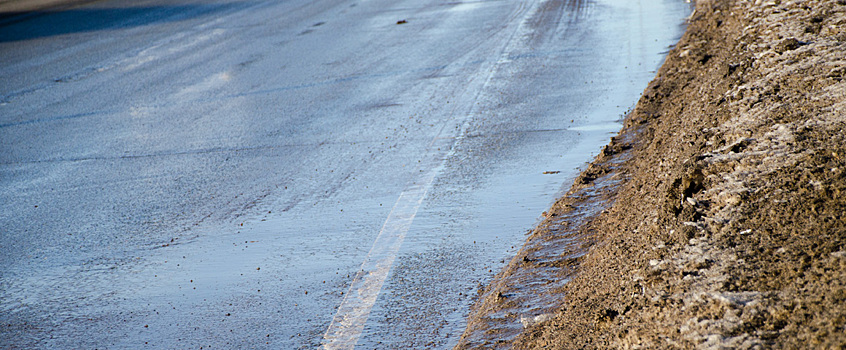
(722,205)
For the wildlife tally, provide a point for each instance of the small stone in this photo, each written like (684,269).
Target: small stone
(789,45)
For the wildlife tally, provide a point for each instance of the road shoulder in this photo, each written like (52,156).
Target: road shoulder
(724,226)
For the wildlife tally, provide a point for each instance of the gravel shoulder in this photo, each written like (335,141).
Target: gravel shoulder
(715,219)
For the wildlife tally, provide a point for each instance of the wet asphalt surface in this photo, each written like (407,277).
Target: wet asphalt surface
(216,173)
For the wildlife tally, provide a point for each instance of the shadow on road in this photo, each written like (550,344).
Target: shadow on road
(18,26)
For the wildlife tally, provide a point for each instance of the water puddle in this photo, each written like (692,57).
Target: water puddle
(529,288)
(607,127)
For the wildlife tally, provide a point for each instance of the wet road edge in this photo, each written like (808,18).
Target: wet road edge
(530,289)
(719,236)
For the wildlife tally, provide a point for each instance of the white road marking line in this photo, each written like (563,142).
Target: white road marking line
(352,314)
(351,317)
(349,321)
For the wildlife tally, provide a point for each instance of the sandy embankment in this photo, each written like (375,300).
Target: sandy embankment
(722,205)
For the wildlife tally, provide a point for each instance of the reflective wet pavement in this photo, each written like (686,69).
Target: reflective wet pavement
(186,174)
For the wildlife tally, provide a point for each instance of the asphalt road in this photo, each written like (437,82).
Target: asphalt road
(293,174)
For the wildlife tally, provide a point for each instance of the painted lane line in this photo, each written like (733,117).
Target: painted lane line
(350,319)
(352,315)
